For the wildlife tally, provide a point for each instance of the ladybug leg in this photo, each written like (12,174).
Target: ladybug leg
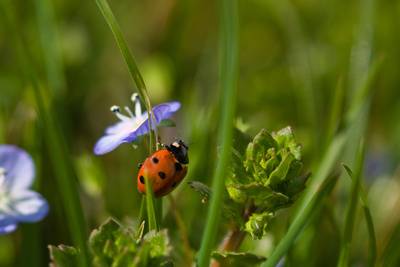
(140,165)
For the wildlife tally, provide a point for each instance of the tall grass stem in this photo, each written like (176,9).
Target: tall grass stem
(228,12)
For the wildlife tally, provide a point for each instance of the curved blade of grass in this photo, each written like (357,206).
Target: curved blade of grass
(351,209)
(391,255)
(141,87)
(313,196)
(228,11)
(131,64)
(368,220)
(57,149)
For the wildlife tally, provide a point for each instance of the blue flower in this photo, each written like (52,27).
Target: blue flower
(132,126)
(17,202)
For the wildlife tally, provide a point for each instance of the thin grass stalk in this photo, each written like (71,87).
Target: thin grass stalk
(335,112)
(65,174)
(151,215)
(228,12)
(351,209)
(141,87)
(132,67)
(368,220)
(310,201)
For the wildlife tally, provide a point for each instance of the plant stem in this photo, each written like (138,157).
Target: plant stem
(228,79)
(351,210)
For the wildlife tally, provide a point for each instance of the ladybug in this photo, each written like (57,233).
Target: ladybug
(165,169)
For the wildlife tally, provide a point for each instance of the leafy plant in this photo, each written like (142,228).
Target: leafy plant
(113,244)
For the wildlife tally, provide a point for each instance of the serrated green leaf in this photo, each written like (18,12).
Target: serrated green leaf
(280,172)
(237,259)
(154,250)
(63,256)
(112,244)
(285,139)
(257,224)
(159,243)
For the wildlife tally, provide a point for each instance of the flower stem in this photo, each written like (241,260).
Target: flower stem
(228,79)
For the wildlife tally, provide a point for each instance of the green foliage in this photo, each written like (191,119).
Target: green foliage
(257,224)
(267,178)
(63,256)
(115,245)
(237,259)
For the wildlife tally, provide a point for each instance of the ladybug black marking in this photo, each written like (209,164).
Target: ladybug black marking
(178,166)
(141,178)
(155,160)
(180,151)
(162,175)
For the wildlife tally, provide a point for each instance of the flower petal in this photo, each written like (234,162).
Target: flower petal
(124,126)
(28,206)
(19,167)
(161,112)
(165,110)
(109,142)
(7,228)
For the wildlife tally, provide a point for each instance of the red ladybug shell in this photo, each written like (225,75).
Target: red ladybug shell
(163,170)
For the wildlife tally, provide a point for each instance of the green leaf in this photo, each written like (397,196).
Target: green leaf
(158,242)
(112,244)
(237,259)
(280,172)
(155,249)
(257,224)
(63,256)
(285,139)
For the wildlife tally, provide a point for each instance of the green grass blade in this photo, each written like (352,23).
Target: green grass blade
(66,177)
(335,112)
(65,174)
(351,209)
(315,192)
(368,220)
(131,64)
(228,11)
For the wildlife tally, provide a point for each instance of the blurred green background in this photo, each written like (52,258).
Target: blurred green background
(294,56)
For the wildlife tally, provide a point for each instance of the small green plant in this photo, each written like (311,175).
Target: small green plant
(113,244)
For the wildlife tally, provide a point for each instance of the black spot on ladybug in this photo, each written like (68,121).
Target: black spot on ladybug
(155,160)
(174,184)
(162,175)
(178,166)
(141,178)
(140,165)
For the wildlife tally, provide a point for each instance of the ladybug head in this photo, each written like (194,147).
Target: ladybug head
(180,151)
